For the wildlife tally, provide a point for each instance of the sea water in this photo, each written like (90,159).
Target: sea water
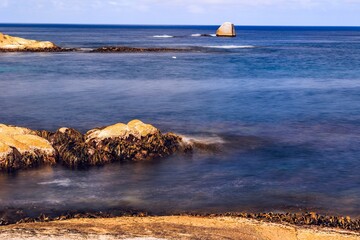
(281,103)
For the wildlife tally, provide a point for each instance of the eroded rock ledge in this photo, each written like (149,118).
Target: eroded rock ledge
(22,148)
(10,43)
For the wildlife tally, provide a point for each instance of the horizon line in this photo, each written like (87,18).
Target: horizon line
(209,25)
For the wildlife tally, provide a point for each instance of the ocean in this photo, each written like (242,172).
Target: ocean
(281,103)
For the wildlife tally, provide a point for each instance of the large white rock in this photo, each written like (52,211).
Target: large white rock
(227,29)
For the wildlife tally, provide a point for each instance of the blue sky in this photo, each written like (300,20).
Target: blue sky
(202,12)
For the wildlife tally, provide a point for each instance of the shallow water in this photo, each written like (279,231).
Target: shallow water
(282,103)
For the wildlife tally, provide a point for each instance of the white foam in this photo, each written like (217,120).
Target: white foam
(213,35)
(59,182)
(86,49)
(203,139)
(196,35)
(231,46)
(163,36)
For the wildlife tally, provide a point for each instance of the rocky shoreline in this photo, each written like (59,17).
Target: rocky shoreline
(123,49)
(23,148)
(10,44)
(109,49)
(13,216)
(170,227)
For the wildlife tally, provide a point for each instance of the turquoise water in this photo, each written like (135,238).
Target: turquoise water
(282,103)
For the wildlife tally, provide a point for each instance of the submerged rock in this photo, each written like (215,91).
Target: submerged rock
(20,148)
(9,43)
(227,29)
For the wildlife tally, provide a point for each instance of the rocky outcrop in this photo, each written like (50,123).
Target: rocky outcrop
(227,29)
(20,148)
(135,141)
(9,43)
(123,49)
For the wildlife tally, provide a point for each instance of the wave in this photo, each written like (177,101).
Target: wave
(58,182)
(163,36)
(203,35)
(231,46)
(203,139)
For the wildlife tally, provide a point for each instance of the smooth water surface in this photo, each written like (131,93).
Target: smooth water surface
(283,104)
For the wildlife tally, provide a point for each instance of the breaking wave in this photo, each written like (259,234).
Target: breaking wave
(163,36)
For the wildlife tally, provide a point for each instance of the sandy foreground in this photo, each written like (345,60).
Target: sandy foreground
(172,227)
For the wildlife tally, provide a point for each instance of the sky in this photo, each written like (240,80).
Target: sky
(184,12)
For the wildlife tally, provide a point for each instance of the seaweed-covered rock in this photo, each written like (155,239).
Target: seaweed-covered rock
(120,142)
(20,148)
(136,141)
(133,141)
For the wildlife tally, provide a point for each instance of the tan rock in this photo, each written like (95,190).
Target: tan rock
(4,150)
(29,149)
(227,29)
(120,130)
(140,129)
(13,130)
(15,43)
(36,143)
(10,141)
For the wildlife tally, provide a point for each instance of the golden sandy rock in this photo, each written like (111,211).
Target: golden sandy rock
(13,130)
(140,129)
(10,141)
(15,43)
(36,143)
(227,29)
(4,150)
(29,149)
(120,130)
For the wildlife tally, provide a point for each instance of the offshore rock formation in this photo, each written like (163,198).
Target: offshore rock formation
(123,49)
(227,29)
(9,43)
(135,141)
(21,148)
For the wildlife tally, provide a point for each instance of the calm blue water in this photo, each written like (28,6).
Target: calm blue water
(282,102)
